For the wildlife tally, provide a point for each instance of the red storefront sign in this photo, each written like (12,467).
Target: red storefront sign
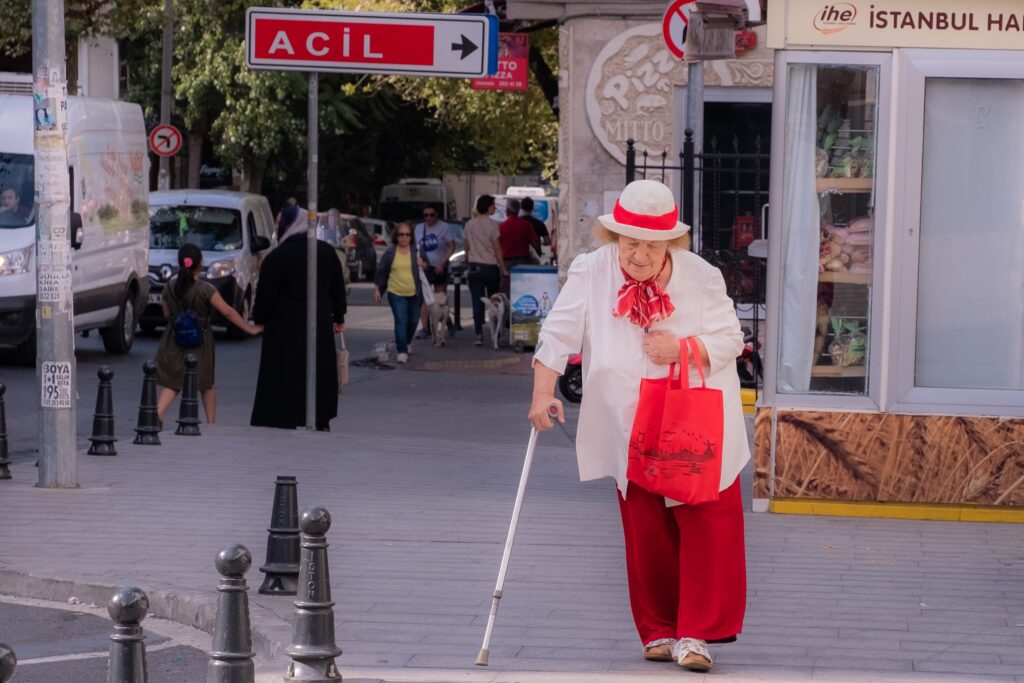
(513,64)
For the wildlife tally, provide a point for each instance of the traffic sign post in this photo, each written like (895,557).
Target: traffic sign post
(452,45)
(674,23)
(277,39)
(165,140)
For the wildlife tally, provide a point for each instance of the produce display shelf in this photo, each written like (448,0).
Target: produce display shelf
(844,184)
(845,278)
(838,371)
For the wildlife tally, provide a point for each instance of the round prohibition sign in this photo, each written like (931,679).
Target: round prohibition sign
(674,24)
(165,140)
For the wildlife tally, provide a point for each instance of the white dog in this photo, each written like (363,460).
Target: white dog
(439,318)
(497,310)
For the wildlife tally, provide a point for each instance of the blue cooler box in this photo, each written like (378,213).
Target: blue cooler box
(533,293)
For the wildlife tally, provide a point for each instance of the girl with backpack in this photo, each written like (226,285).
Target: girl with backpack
(188,304)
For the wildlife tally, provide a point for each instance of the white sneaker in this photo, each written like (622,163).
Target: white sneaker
(692,654)
(403,358)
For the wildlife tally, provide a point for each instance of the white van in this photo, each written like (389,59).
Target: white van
(406,199)
(233,229)
(108,170)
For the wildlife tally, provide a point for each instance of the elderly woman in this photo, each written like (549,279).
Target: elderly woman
(629,306)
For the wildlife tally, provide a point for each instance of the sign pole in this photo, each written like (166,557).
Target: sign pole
(55,356)
(313,133)
(695,122)
(163,178)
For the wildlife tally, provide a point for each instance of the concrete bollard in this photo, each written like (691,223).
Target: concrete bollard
(8,663)
(5,460)
(231,655)
(103,419)
(313,648)
(127,662)
(188,410)
(147,431)
(282,566)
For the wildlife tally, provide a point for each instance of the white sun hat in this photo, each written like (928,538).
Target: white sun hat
(646,210)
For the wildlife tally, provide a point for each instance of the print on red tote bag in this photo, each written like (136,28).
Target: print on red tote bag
(675,449)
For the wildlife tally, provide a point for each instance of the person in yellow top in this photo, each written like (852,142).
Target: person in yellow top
(398,276)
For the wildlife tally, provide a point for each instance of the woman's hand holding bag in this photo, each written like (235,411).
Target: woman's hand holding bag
(675,449)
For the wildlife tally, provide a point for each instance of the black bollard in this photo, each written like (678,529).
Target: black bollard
(313,648)
(127,662)
(282,566)
(147,432)
(8,663)
(103,420)
(188,411)
(231,656)
(5,460)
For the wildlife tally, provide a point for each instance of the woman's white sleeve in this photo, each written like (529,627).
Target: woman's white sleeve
(721,332)
(562,332)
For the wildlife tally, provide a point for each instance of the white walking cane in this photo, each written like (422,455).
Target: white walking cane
(485,651)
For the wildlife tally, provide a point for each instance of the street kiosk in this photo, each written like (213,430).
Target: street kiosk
(894,367)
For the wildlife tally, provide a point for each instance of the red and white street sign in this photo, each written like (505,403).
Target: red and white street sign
(673,25)
(457,45)
(165,140)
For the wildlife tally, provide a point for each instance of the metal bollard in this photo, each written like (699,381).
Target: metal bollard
(147,431)
(313,648)
(8,663)
(103,419)
(5,460)
(127,662)
(231,656)
(188,411)
(282,566)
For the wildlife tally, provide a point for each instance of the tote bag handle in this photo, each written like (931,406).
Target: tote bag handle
(683,380)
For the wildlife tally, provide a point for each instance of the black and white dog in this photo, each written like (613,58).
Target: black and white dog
(497,311)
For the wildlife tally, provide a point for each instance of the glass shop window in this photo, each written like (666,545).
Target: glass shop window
(828,225)
(970,297)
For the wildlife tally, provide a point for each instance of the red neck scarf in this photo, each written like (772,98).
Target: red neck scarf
(643,301)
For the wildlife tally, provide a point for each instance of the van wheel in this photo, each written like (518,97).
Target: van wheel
(119,337)
(244,309)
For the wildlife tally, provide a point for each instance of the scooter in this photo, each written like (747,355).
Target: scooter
(571,381)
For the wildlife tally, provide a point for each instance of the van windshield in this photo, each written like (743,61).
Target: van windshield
(209,228)
(398,211)
(17,189)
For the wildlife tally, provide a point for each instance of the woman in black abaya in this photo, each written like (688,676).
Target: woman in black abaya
(281,307)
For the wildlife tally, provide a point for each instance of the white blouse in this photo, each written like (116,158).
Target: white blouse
(614,361)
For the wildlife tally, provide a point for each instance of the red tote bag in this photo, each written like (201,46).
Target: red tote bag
(675,449)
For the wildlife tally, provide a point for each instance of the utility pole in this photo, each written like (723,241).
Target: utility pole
(313,134)
(163,180)
(55,350)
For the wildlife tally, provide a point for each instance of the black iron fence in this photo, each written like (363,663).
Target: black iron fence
(729,190)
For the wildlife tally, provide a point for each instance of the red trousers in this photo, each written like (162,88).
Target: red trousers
(685,565)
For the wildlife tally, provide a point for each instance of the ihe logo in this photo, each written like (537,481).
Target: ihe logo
(835,17)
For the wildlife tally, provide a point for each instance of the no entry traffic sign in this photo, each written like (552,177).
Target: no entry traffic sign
(673,25)
(165,140)
(457,45)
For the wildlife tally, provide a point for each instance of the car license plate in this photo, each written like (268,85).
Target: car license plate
(156,298)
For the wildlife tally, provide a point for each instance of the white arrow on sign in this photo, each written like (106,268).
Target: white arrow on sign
(457,45)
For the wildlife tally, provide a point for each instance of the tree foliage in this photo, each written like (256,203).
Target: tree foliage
(373,129)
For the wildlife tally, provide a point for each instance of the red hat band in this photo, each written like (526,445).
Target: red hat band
(666,221)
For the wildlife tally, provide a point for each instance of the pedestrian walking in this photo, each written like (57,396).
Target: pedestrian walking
(685,564)
(280,307)
(517,237)
(486,263)
(188,304)
(435,244)
(398,277)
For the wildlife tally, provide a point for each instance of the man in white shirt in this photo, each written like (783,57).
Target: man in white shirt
(435,245)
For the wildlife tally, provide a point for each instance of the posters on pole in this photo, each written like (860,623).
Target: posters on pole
(513,64)
(56,384)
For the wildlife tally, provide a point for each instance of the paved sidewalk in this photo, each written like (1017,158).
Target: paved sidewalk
(419,525)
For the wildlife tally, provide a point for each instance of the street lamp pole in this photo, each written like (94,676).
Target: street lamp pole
(55,355)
